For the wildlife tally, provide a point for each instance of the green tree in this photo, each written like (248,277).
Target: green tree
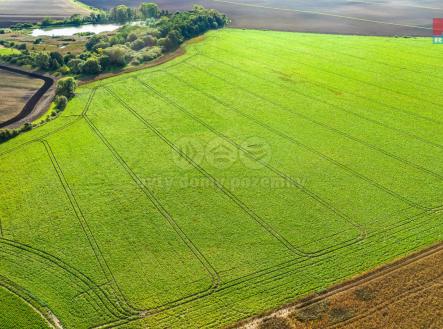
(131,37)
(172,41)
(75,65)
(121,14)
(41,60)
(137,44)
(104,62)
(61,102)
(91,66)
(95,39)
(149,10)
(150,41)
(118,55)
(56,60)
(66,87)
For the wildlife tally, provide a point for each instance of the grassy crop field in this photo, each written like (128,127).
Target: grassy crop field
(15,91)
(14,313)
(254,169)
(7,51)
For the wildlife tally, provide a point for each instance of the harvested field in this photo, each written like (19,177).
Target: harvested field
(381,17)
(255,169)
(13,11)
(409,296)
(15,91)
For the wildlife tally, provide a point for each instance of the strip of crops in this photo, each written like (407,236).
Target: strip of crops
(256,168)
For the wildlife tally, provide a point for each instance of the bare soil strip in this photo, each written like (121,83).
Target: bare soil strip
(407,293)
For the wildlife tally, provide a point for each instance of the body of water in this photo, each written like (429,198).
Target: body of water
(71,30)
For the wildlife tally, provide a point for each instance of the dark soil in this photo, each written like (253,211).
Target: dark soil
(378,17)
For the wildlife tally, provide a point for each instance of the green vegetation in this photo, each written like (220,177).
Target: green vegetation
(15,313)
(258,167)
(8,51)
(132,44)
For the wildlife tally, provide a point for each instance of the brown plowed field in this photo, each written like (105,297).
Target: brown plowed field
(15,91)
(405,294)
(12,11)
(378,17)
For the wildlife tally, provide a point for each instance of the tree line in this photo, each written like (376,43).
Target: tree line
(132,44)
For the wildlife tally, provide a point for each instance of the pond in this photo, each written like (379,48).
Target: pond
(71,30)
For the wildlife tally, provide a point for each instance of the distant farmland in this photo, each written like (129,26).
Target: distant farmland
(381,17)
(12,11)
(254,169)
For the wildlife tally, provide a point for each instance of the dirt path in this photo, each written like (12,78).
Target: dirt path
(406,293)
(36,104)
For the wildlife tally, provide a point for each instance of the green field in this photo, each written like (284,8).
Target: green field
(15,313)
(8,51)
(254,169)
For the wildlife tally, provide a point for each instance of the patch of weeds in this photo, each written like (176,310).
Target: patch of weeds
(339,314)
(275,323)
(312,312)
(364,294)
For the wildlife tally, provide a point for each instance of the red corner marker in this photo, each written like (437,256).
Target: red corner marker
(438,27)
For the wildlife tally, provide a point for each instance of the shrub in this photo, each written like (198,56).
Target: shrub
(149,41)
(41,60)
(61,102)
(75,65)
(7,134)
(66,87)
(91,66)
(151,54)
(104,61)
(64,70)
(149,10)
(95,39)
(27,127)
(101,45)
(131,37)
(138,44)
(118,55)
(68,57)
(21,46)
